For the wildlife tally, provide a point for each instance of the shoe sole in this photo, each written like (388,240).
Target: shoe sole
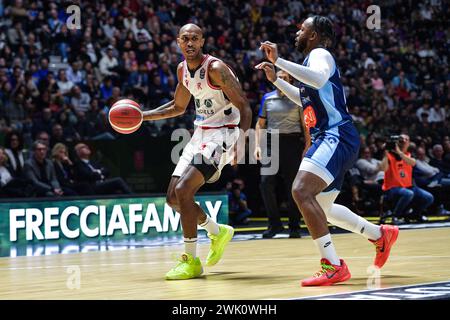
(170,279)
(228,239)
(197,276)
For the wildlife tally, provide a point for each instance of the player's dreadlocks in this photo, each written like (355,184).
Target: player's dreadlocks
(324,27)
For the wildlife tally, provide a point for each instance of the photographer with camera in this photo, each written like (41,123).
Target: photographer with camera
(398,182)
(237,202)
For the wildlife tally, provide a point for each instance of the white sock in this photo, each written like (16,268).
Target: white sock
(190,246)
(346,219)
(210,226)
(327,250)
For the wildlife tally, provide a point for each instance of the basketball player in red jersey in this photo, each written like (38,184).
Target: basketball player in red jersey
(221,108)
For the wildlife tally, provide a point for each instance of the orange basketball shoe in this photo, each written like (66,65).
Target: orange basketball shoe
(383,245)
(328,275)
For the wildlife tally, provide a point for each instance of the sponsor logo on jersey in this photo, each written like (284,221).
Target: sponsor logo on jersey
(208,103)
(332,140)
(205,111)
(202,73)
(200,107)
(310,117)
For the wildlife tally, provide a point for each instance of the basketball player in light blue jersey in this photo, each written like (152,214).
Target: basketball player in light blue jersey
(333,151)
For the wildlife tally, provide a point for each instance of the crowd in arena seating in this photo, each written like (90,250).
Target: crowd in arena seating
(45,172)
(56,84)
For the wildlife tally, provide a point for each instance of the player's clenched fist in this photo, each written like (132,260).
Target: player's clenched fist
(268,69)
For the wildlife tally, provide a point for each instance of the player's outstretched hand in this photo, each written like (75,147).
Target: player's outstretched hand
(270,49)
(269,70)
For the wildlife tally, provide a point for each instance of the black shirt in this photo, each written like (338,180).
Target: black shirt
(44,177)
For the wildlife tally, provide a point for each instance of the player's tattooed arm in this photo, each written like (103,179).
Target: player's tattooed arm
(221,76)
(175,107)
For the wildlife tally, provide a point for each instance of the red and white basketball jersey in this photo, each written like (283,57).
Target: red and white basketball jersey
(212,108)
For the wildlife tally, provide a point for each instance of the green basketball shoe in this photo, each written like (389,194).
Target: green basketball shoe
(218,244)
(188,267)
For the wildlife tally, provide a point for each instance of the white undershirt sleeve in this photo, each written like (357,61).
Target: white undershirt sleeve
(321,67)
(292,92)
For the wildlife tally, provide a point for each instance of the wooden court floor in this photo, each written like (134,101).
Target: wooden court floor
(255,269)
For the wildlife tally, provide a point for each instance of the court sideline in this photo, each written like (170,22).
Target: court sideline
(254,269)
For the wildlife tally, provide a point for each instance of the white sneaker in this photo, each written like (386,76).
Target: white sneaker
(433,184)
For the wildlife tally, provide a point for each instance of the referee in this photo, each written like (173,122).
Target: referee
(282,117)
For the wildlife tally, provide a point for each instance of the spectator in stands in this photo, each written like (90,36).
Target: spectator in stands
(426,175)
(11,186)
(80,100)
(369,167)
(64,169)
(109,28)
(157,92)
(377,82)
(371,178)
(98,123)
(91,86)
(106,88)
(41,74)
(64,84)
(68,119)
(45,123)
(44,137)
(91,172)
(62,165)
(437,114)
(32,89)
(424,111)
(57,135)
(237,204)
(16,35)
(398,183)
(139,80)
(431,178)
(74,74)
(108,64)
(446,147)
(401,81)
(438,160)
(115,95)
(15,154)
(41,172)
(141,34)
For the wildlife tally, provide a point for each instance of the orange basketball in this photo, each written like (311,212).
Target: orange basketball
(125,116)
